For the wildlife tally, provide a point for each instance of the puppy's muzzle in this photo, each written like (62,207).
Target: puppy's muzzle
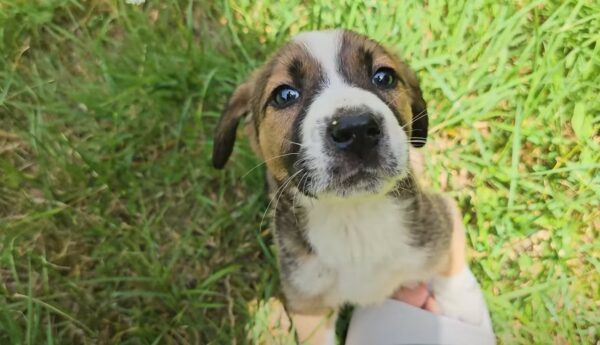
(357,135)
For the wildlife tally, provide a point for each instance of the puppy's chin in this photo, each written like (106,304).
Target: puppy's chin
(358,183)
(344,178)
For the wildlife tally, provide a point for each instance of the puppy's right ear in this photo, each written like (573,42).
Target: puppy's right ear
(237,107)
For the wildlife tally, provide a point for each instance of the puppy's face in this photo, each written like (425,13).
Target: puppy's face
(332,112)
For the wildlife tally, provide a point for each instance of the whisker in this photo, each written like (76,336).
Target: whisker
(295,143)
(268,160)
(280,191)
(297,192)
(417,117)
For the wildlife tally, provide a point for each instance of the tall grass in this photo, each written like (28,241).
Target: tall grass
(115,229)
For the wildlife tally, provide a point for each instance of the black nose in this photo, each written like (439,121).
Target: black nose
(356,133)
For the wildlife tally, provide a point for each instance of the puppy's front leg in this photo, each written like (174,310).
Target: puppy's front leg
(455,289)
(310,327)
(317,329)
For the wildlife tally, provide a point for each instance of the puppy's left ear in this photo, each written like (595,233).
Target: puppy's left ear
(237,107)
(420,118)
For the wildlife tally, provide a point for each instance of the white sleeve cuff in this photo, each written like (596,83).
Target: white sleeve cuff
(398,323)
(460,297)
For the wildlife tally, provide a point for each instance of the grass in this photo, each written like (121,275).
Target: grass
(115,229)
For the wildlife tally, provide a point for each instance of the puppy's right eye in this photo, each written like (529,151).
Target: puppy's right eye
(385,78)
(284,96)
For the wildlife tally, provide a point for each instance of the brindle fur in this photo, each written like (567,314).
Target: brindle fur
(431,230)
(274,138)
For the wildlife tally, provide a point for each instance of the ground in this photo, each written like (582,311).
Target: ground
(114,228)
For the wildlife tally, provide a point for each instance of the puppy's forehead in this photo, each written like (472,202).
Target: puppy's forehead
(324,46)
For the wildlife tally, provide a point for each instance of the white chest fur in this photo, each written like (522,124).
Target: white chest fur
(362,250)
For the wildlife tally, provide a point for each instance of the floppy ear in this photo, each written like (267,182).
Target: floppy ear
(420,118)
(225,133)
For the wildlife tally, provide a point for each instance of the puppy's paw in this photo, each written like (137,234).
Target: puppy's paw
(315,329)
(271,324)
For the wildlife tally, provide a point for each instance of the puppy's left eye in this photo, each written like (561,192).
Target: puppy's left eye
(385,78)
(284,95)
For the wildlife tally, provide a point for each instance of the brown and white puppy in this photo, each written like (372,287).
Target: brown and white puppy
(333,114)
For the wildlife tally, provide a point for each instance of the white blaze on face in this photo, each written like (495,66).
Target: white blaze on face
(325,47)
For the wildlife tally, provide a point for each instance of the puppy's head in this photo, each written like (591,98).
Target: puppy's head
(332,112)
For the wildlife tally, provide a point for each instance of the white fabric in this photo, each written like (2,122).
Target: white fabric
(464,320)
(460,297)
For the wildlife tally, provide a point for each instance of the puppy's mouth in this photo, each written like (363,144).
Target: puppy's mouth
(344,180)
(361,180)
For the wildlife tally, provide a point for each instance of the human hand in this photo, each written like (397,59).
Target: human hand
(418,296)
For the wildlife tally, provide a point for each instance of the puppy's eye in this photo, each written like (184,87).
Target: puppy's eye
(284,95)
(385,78)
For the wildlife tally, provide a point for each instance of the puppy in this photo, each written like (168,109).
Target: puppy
(332,114)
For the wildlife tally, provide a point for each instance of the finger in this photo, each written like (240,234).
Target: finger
(414,296)
(432,306)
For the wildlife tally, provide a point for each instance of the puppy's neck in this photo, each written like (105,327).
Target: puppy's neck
(365,229)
